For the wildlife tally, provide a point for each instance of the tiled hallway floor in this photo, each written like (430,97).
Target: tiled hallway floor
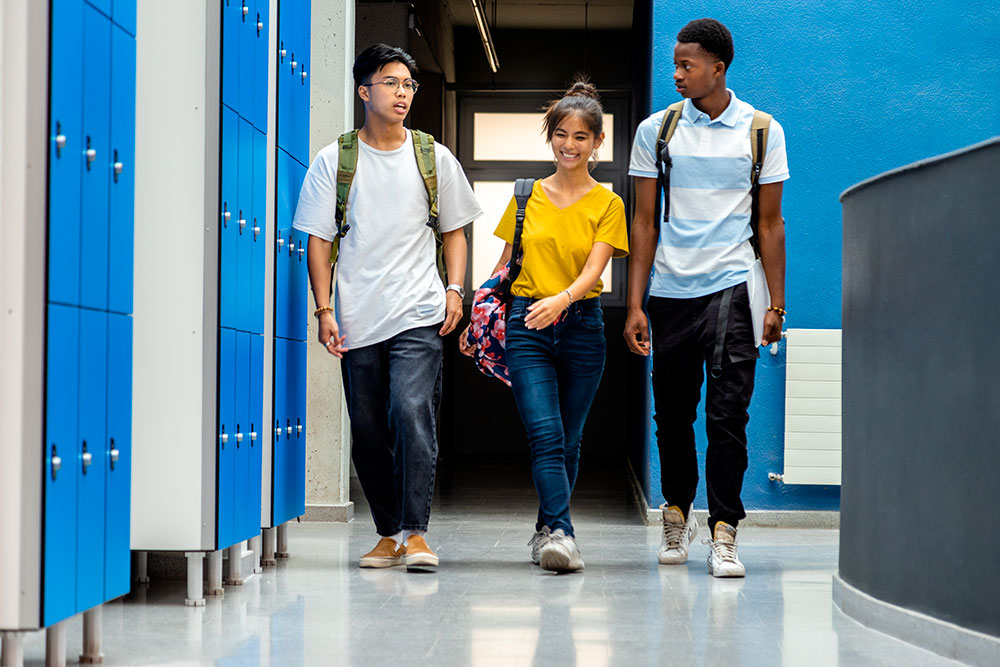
(488,605)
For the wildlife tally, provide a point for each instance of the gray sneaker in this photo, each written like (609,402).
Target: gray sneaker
(537,542)
(678,533)
(560,553)
(722,559)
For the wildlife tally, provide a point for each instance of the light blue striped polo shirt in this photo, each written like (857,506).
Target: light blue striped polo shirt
(705,246)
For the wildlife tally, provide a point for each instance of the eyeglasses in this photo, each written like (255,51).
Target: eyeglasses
(392,84)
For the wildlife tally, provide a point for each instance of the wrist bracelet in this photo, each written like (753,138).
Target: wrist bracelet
(321,310)
(570,295)
(780,311)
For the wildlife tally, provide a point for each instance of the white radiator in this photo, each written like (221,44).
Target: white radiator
(812,406)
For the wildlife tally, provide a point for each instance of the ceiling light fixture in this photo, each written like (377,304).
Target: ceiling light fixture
(484,34)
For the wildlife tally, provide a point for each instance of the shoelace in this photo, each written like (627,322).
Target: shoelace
(673,534)
(538,538)
(724,551)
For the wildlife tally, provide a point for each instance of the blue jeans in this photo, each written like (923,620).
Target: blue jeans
(393,391)
(554,373)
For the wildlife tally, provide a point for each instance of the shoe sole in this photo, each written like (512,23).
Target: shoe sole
(720,575)
(558,561)
(380,562)
(421,563)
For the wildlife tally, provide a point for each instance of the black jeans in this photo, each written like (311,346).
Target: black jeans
(393,390)
(684,341)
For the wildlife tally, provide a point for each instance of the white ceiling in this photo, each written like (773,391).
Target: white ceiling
(555,14)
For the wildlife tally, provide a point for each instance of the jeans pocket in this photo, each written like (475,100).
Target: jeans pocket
(592,319)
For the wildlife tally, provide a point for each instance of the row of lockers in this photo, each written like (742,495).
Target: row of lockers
(88,460)
(91,180)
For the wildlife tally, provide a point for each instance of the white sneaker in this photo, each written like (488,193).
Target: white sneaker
(677,535)
(560,553)
(537,542)
(722,559)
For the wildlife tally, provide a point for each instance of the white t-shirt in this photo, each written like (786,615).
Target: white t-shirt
(387,277)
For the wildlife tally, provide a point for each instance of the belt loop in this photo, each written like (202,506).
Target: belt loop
(721,327)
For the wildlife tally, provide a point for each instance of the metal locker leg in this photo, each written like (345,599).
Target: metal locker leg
(195,572)
(282,551)
(12,653)
(55,645)
(256,543)
(140,566)
(234,575)
(267,557)
(92,636)
(214,588)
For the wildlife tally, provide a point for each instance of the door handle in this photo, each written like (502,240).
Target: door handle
(115,454)
(86,457)
(56,463)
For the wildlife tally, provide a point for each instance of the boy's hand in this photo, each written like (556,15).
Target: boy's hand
(452,312)
(772,328)
(329,335)
(637,332)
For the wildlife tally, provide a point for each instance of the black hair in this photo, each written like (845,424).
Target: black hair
(713,37)
(377,56)
(582,99)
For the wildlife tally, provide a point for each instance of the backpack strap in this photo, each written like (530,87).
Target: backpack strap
(423,149)
(663,162)
(347,164)
(759,127)
(522,193)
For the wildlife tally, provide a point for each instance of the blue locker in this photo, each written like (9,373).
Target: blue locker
(299,285)
(281,466)
(123,13)
(241,486)
(284,76)
(232,27)
(261,51)
(229,224)
(259,235)
(286,198)
(227,439)
(93,438)
(245,200)
(299,98)
(118,457)
(93,246)
(122,200)
(297,404)
(66,152)
(257,430)
(248,42)
(103,6)
(61,456)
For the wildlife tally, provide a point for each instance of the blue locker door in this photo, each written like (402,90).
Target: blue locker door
(259,233)
(229,224)
(242,492)
(297,402)
(248,40)
(97,164)
(245,199)
(227,439)
(298,279)
(118,457)
(66,151)
(283,77)
(260,59)
(123,13)
(300,84)
(122,202)
(61,456)
(286,198)
(281,465)
(93,438)
(258,431)
(232,25)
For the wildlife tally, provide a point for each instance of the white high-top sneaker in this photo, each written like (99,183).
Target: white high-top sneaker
(678,534)
(722,559)
(537,542)
(560,553)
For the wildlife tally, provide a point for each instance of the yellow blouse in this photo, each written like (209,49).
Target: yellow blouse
(557,241)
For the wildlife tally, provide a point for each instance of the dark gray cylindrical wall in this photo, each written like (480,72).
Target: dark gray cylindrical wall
(921,388)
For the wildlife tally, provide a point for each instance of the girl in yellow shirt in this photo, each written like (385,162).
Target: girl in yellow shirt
(555,344)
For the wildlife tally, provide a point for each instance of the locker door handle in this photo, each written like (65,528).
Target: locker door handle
(256,230)
(115,454)
(246,10)
(260,26)
(56,463)
(282,53)
(298,429)
(281,243)
(302,251)
(225,216)
(60,144)
(87,458)
(288,431)
(253,437)
(277,432)
(294,65)
(224,438)
(90,153)
(291,248)
(243,224)
(239,436)
(303,76)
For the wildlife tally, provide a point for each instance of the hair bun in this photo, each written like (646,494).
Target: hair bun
(583,88)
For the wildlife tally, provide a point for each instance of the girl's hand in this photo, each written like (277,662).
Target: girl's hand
(545,311)
(463,343)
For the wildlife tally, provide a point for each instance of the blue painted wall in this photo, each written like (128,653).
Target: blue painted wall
(860,87)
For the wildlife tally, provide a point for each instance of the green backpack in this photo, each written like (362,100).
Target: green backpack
(423,148)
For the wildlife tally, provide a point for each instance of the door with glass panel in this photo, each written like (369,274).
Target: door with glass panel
(501,140)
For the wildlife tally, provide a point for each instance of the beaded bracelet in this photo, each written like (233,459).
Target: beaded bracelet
(570,295)
(781,311)
(320,311)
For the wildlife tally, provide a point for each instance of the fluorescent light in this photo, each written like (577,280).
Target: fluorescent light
(484,34)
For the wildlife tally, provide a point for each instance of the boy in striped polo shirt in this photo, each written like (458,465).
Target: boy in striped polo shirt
(700,254)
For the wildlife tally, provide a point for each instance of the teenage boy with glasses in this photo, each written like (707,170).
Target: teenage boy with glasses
(700,253)
(391,306)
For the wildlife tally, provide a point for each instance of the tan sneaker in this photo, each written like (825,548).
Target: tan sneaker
(418,555)
(385,554)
